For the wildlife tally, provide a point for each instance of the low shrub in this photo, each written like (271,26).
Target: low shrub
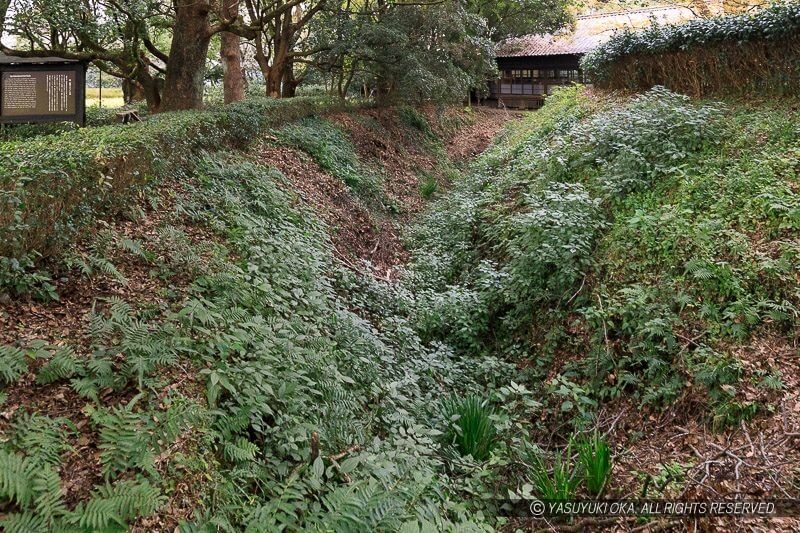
(616,243)
(20,132)
(538,215)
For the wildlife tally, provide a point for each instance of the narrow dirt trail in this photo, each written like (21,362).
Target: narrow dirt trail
(471,140)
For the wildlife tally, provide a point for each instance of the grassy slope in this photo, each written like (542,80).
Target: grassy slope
(636,259)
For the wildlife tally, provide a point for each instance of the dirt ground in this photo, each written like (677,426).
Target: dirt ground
(474,138)
(65,322)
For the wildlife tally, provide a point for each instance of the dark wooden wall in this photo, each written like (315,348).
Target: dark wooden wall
(542,63)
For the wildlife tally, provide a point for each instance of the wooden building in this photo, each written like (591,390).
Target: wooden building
(532,66)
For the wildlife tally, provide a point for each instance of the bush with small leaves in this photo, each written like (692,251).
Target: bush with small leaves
(755,51)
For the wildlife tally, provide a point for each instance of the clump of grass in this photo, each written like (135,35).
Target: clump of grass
(333,150)
(595,459)
(557,483)
(428,187)
(415,119)
(470,428)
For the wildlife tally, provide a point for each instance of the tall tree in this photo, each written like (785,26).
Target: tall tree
(233,80)
(281,26)
(4,5)
(436,51)
(191,35)
(117,36)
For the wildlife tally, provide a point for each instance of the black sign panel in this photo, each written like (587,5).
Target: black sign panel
(42,93)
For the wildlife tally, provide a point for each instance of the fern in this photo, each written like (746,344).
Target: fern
(13,363)
(86,387)
(120,310)
(240,451)
(180,415)
(99,327)
(90,265)
(24,522)
(363,507)
(145,350)
(16,478)
(229,424)
(112,506)
(282,510)
(41,438)
(27,482)
(125,440)
(134,246)
(699,269)
(99,375)
(103,240)
(48,502)
(63,365)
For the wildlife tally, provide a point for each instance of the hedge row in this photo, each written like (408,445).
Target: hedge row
(757,51)
(54,186)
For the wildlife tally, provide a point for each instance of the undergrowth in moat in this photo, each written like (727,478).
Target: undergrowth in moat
(601,252)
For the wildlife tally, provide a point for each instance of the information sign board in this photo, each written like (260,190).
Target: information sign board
(46,92)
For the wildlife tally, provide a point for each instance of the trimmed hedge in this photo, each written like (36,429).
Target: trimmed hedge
(54,186)
(758,51)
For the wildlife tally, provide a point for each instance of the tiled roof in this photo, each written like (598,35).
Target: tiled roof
(590,31)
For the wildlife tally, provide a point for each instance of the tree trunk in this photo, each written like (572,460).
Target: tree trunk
(277,70)
(233,81)
(290,83)
(132,91)
(346,88)
(280,56)
(183,88)
(274,83)
(152,88)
